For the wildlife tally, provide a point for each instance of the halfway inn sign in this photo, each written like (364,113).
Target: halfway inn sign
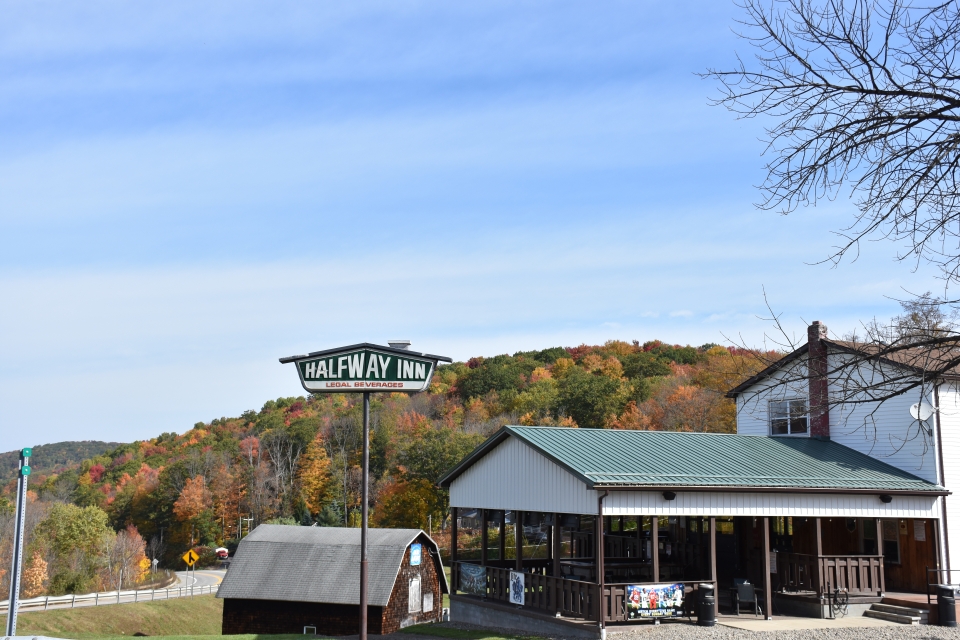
(365,368)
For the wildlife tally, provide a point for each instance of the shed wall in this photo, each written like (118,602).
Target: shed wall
(706,503)
(515,476)
(280,616)
(397,615)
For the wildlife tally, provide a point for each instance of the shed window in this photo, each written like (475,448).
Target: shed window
(413,597)
(788,417)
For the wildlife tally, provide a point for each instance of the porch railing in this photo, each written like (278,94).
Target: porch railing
(572,598)
(552,595)
(857,575)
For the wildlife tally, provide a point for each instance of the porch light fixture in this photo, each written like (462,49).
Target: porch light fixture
(886,499)
(669,495)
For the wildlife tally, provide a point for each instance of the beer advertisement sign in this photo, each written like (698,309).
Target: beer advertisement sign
(365,367)
(654,601)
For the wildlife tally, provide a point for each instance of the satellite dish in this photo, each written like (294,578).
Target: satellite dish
(921,411)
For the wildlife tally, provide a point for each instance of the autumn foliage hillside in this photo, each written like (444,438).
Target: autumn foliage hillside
(296,460)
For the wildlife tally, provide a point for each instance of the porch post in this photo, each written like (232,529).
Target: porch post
(767,582)
(557,541)
(819,530)
(713,562)
(484,538)
(655,543)
(453,550)
(598,547)
(518,537)
(883,577)
(503,536)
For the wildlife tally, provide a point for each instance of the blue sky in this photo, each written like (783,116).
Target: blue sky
(189,191)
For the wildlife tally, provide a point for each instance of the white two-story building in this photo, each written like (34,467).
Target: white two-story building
(882,407)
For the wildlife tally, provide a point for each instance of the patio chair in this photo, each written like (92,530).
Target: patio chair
(745,593)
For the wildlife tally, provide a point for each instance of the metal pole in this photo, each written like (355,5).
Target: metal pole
(14,602)
(363,517)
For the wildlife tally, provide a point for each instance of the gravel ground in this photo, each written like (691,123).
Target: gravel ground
(675,631)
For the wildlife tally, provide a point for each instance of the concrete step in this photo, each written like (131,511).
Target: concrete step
(904,611)
(892,617)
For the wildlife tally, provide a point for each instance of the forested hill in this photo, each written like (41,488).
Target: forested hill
(296,460)
(53,458)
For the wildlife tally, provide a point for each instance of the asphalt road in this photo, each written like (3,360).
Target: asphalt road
(200,578)
(204,578)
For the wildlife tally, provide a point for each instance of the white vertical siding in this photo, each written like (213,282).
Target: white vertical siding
(515,476)
(949,408)
(823,505)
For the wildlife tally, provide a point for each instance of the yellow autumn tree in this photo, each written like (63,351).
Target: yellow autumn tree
(313,475)
(35,576)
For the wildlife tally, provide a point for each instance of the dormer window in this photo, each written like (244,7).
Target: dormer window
(788,417)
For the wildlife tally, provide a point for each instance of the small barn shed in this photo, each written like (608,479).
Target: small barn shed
(285,578)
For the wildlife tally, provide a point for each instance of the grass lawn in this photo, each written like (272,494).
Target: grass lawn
(196,616)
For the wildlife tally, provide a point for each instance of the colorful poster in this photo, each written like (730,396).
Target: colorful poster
(516,588)
(654,600)
(473,579)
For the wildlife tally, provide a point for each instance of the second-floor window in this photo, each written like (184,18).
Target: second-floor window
(788,417)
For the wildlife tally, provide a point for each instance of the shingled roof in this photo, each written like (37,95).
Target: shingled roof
(321,564)
(944,361)
(608,458)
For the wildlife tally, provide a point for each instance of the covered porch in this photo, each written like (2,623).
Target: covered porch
(528,526)
(795,566)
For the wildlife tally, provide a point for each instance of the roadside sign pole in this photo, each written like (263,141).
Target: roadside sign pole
(15,572)
(367,368)
(365,490)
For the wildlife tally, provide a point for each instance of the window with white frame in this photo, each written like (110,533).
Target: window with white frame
(788,417)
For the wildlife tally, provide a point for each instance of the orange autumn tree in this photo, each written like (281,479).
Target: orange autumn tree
(194,501)
(227,490)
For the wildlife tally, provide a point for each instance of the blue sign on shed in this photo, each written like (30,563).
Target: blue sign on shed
(416,551)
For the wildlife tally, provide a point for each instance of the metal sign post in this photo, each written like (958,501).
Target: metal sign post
(366,368)
(16,570)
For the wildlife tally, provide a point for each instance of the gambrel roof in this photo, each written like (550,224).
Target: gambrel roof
(321,564)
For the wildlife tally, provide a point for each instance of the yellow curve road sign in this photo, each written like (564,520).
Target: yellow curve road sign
(190,557)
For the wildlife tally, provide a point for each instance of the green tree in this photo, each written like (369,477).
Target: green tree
(591,399)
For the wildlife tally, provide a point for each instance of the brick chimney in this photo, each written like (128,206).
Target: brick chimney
(817,367)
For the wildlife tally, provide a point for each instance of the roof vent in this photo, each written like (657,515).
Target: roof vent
(399,344)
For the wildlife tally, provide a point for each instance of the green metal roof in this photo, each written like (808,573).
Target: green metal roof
(664,459)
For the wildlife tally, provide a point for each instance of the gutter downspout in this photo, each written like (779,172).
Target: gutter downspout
(945,533)
(600,570)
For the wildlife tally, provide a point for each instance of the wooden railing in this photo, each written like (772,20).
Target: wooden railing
(857,575)
(570,598)
(854,574)
(621,547)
